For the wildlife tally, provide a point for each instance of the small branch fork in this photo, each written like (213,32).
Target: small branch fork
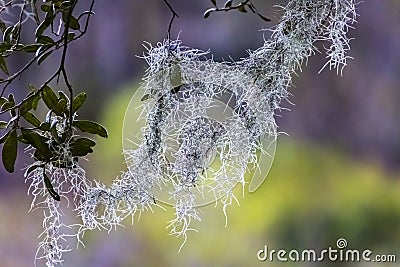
(174,15)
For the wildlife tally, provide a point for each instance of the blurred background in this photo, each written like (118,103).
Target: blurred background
(335,175)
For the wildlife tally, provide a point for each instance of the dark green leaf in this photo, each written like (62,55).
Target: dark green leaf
(74,23)
(31,169)
(70,36)
(7,105)
(65,4)
(83,142)
(3,65)
(51,100)
(28,104)
(45,126)
(40,155)
(35,11)
(4,137)
(34,139)
(62,103)
(11,99)
(9,152)
(35,102)
(46,8)
(4,47)
(252,7)
(81,147)
(3,100)
(61,95)
(31,48)
(49,187)
(10,104)
(44,39)
(45,23)
(263,18)
(37,141)
(25,107)
(90,127)
(228,4)
(242,8)
(3,25)
(29,117)
(208,12)
(78,102)
(7,34)
(42,57)
(3,124)
(145,97)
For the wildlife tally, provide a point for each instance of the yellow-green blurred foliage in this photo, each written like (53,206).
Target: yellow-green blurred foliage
(313,195)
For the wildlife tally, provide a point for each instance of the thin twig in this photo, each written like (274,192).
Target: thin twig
(174,15)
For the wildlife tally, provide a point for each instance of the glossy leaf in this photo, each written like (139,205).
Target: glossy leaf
(3,100)
(31,169)
(4,137)
(3,25)
(263,18)
(35,11)
(90,127)
(44,39)
(79,100)
(50,188)
(73,22)
(46,8)
(31,48)
(7,105)
(62,103)
(37,141)
(82,146)
(45,23)
(29,117)
(4,47)
(28,104)
(45,126)
(42,57)
(145,97)
(7,34)
(51,100)
(3,65)
(9,153)
(71,36)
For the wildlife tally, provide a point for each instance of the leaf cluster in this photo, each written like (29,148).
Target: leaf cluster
(54,138)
